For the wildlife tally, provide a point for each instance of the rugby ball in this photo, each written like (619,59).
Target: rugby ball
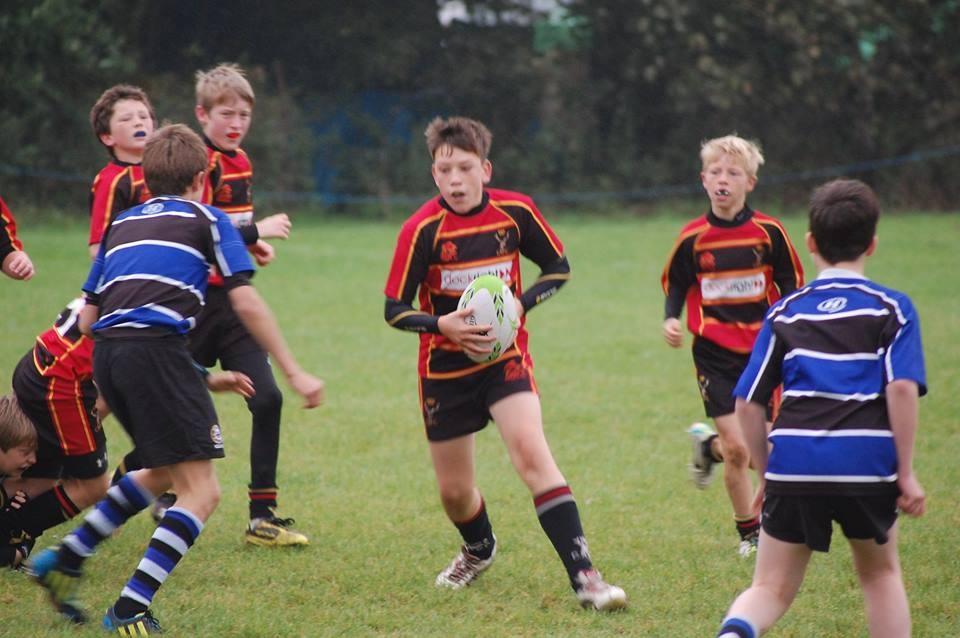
(493,304)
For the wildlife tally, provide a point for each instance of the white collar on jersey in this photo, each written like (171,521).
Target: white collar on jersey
(839,273)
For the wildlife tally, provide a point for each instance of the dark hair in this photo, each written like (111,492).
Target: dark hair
(172,158)
(458,132)
(843,219)
(102,110)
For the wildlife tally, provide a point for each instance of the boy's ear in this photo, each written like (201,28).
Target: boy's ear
(873,246)
(201,113)
(811,243)
(198,181)
(487,168)
(106,139)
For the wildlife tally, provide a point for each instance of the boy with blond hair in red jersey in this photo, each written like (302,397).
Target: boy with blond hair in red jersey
(467,231)
(224,108)
(728,266)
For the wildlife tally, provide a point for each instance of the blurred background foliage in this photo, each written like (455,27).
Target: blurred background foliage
(590,101)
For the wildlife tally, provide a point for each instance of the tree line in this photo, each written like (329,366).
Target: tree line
(585,97)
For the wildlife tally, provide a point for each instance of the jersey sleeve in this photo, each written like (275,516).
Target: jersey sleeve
(214,175)
(764,371)
(109,195)
(678,275)
(92,286)
(903,358)
(538,242)
(229,252)
(9,242)
(409,265)
(787,269)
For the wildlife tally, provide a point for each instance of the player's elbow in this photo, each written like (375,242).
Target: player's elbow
(902,389)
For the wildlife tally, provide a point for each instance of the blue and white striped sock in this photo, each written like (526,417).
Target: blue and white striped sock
(175,534)
(122,501)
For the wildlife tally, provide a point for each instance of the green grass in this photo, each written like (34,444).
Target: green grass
(357,477)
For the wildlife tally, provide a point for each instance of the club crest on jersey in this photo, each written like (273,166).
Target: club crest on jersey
(152,209)
(224,194)
(503,236)
(515,370)
(448,251)
(834,304)
(707,261)
(759,253)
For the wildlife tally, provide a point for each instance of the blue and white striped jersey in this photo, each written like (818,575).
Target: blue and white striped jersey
(834,345)
(150,276)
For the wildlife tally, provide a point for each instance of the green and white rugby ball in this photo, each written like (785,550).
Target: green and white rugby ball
(493,304)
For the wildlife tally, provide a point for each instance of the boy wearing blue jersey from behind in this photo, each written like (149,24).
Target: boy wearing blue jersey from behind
(848,353)
(144,292)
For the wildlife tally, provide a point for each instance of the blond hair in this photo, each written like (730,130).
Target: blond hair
(747,152)
(458,132)
(16,429)
(221,84)
(172,158)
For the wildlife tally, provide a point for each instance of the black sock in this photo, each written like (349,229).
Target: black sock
(129,463)
(477,534)
(263,501)
(47,510)
(748,527)
(708,449)
(560,519)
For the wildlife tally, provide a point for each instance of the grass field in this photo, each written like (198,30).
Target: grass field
(357,477)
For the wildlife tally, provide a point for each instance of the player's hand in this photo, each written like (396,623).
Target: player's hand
(274,227)
(18,500)
(312,389)
(475,339)
(262,252)
(103,410)
(231,381)
(673,332)
(912,499)
(17,265)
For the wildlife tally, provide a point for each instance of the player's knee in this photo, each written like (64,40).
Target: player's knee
(96,488)
(86,492)
(455,497)
(736,454)
(266,401)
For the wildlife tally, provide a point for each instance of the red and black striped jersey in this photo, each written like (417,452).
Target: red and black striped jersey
(61,351)
(439,252)
(117,187)
(729,273)
(229,187)
(229,184)
(9,241)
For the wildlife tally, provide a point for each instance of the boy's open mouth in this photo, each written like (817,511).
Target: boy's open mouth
(723,192)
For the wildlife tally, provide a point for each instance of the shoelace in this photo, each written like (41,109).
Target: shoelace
(150,621)
(463,566)
(281,522)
